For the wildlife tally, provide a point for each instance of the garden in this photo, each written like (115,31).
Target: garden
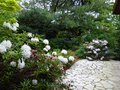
(41,39)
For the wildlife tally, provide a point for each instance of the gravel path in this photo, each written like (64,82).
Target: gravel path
(93,75)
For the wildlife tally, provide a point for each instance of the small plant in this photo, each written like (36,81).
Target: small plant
(97,50)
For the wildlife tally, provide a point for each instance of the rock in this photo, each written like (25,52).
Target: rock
(106,85)
(89,87)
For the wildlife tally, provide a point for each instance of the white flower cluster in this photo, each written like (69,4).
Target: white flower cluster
(100,42)
(30,35)
(55,56)
(34,82)
(65,60)
(35,39)
(71,58)
(97,49)
(26,51)
(4,45)
(13,63)
(54,53)
(64,51)
(13,26)
(21,63)
(45,41)
(47,47)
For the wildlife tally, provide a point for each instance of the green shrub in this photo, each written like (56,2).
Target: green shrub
(81,52)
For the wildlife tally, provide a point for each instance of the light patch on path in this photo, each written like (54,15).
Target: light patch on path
(93,75)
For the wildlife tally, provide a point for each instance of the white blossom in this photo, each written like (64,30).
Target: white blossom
(62,59)
(90,47)
(13,27)
(64,51)
(97,50)
(45,41)
(21,63)
(13,63)
(16,24)
(26,54)
(7,44)
(5,24)
(45,49)
(105,42)
(89,58)
(29,35)
(35,39)
(54,53)
(65,60)
(26,51)
(48,47)
(2,49)
(96,41)
(25,47)
(71,58)
(34,82)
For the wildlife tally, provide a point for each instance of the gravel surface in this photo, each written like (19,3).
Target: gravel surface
(93,75)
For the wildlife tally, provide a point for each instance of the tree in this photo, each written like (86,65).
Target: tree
(55,5)
(8,10)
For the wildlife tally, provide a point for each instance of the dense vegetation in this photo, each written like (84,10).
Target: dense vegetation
(71,27)
(27,61)
(38,40)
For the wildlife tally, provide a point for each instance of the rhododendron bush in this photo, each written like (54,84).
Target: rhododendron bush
(97,50)
(27,61)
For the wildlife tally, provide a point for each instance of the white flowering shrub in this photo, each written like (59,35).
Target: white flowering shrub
(97,50)
(28,62)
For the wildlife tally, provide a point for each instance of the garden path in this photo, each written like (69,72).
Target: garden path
(93,75)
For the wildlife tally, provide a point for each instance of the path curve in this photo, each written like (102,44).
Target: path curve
(93,75)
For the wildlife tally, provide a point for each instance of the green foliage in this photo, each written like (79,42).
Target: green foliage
(81,52)
(117,34)
(35,20)
(44,69)
(8,10)
(38,66)
(64,25)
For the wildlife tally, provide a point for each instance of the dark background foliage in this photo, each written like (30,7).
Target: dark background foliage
(71,27)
